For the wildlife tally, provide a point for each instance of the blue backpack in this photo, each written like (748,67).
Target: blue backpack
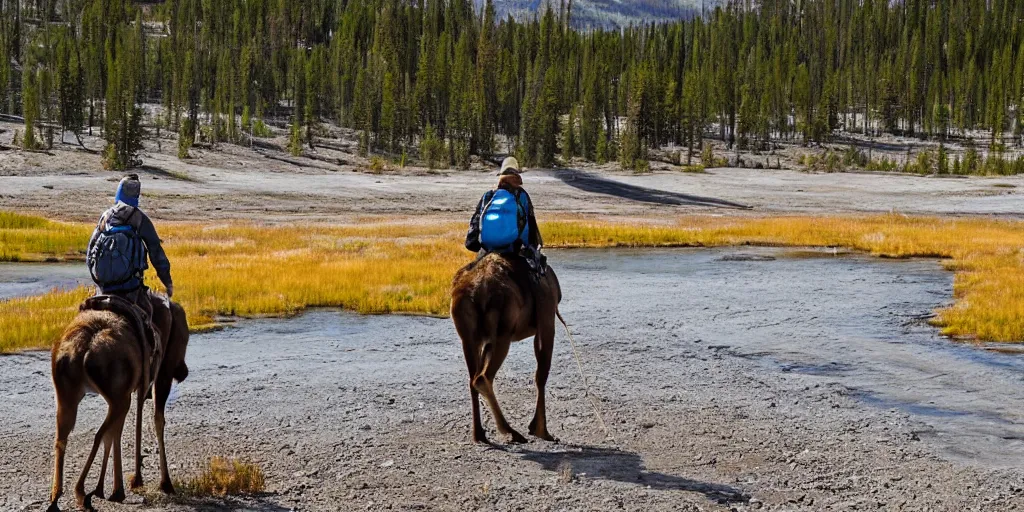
(117,257)
(504,220)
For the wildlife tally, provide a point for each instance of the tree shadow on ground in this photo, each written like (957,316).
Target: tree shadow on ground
(593,183)
(163,173)
(627,467)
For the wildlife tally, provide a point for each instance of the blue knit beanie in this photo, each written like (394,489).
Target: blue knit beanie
(128,190)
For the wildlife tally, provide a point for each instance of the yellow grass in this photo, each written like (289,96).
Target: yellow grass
(248,269)
(225,477)
(34,322)
(23,237)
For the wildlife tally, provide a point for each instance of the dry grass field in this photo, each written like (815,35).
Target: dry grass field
(401,266)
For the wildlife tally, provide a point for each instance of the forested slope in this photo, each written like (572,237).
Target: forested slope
(444,79)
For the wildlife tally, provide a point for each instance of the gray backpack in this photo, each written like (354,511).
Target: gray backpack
(118,255)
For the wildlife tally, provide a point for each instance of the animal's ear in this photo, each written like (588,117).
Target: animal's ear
(181,372)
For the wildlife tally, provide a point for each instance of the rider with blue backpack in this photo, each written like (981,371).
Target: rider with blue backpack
(504,221)
(118,250)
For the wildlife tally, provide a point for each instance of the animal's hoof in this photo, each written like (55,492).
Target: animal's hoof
(167,487)
(541,433)
(136,482)
(117,497)
(98,493)
(479,436)
(86,502)
(53,507)
(517,438)
(545,436)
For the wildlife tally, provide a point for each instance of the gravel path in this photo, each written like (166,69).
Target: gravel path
(730,379)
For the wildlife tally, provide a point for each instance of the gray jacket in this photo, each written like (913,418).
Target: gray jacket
(122,214)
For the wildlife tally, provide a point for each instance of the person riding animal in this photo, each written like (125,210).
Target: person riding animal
(504,221)
(120,246)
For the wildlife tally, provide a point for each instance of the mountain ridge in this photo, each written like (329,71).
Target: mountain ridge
(608,13)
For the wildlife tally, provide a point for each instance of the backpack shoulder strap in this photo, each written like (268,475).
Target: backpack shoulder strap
(104,220)
(488,199)
(522,211)
(135,218)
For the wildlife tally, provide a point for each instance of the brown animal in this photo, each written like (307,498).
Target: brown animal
(494,303)
(101,352)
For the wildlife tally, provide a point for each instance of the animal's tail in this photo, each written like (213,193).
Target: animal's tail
(490,330)
(69,356)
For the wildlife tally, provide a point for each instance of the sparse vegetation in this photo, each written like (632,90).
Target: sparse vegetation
(432,148)
(829,161)
(709,160)
(883,165)
(225,477)
(261,130)
(384,267)
(378,165)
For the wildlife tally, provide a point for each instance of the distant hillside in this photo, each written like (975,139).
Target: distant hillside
(609,13)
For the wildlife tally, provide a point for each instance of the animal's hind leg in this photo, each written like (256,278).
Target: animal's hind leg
(494,355)
(163,390)
(67,414)
(543,347)
(80,496)
(122,408)
(108,440)
(479,435)
(137,477)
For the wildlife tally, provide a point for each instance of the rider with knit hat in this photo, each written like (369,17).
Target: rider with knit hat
(123,243)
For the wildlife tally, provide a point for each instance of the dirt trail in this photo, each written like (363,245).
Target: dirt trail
(733,380)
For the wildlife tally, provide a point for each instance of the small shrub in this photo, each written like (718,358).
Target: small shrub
(295,140)
(696,168)
(246,120)
(883,165)
(460,154)
(710,161)
(109,160)
(185,139)
(829,161)
(853,156)
(641,166)
(378,165)
(364,143)
(206,133)
(707,156)
(224,477)
(431,148)
(971,163)
(923,163)
(602,155)
(261,130)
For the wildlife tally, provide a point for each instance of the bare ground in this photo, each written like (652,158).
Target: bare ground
(243,183)
(718,394)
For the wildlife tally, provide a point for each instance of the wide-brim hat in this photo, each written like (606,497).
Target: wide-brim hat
(510,166)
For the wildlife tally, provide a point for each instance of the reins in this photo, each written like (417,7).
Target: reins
(583,376)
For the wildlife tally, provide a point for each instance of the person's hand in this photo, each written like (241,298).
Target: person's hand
(170,291)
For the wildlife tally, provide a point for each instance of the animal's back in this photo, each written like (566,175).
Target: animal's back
(488,297)
(98,349)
